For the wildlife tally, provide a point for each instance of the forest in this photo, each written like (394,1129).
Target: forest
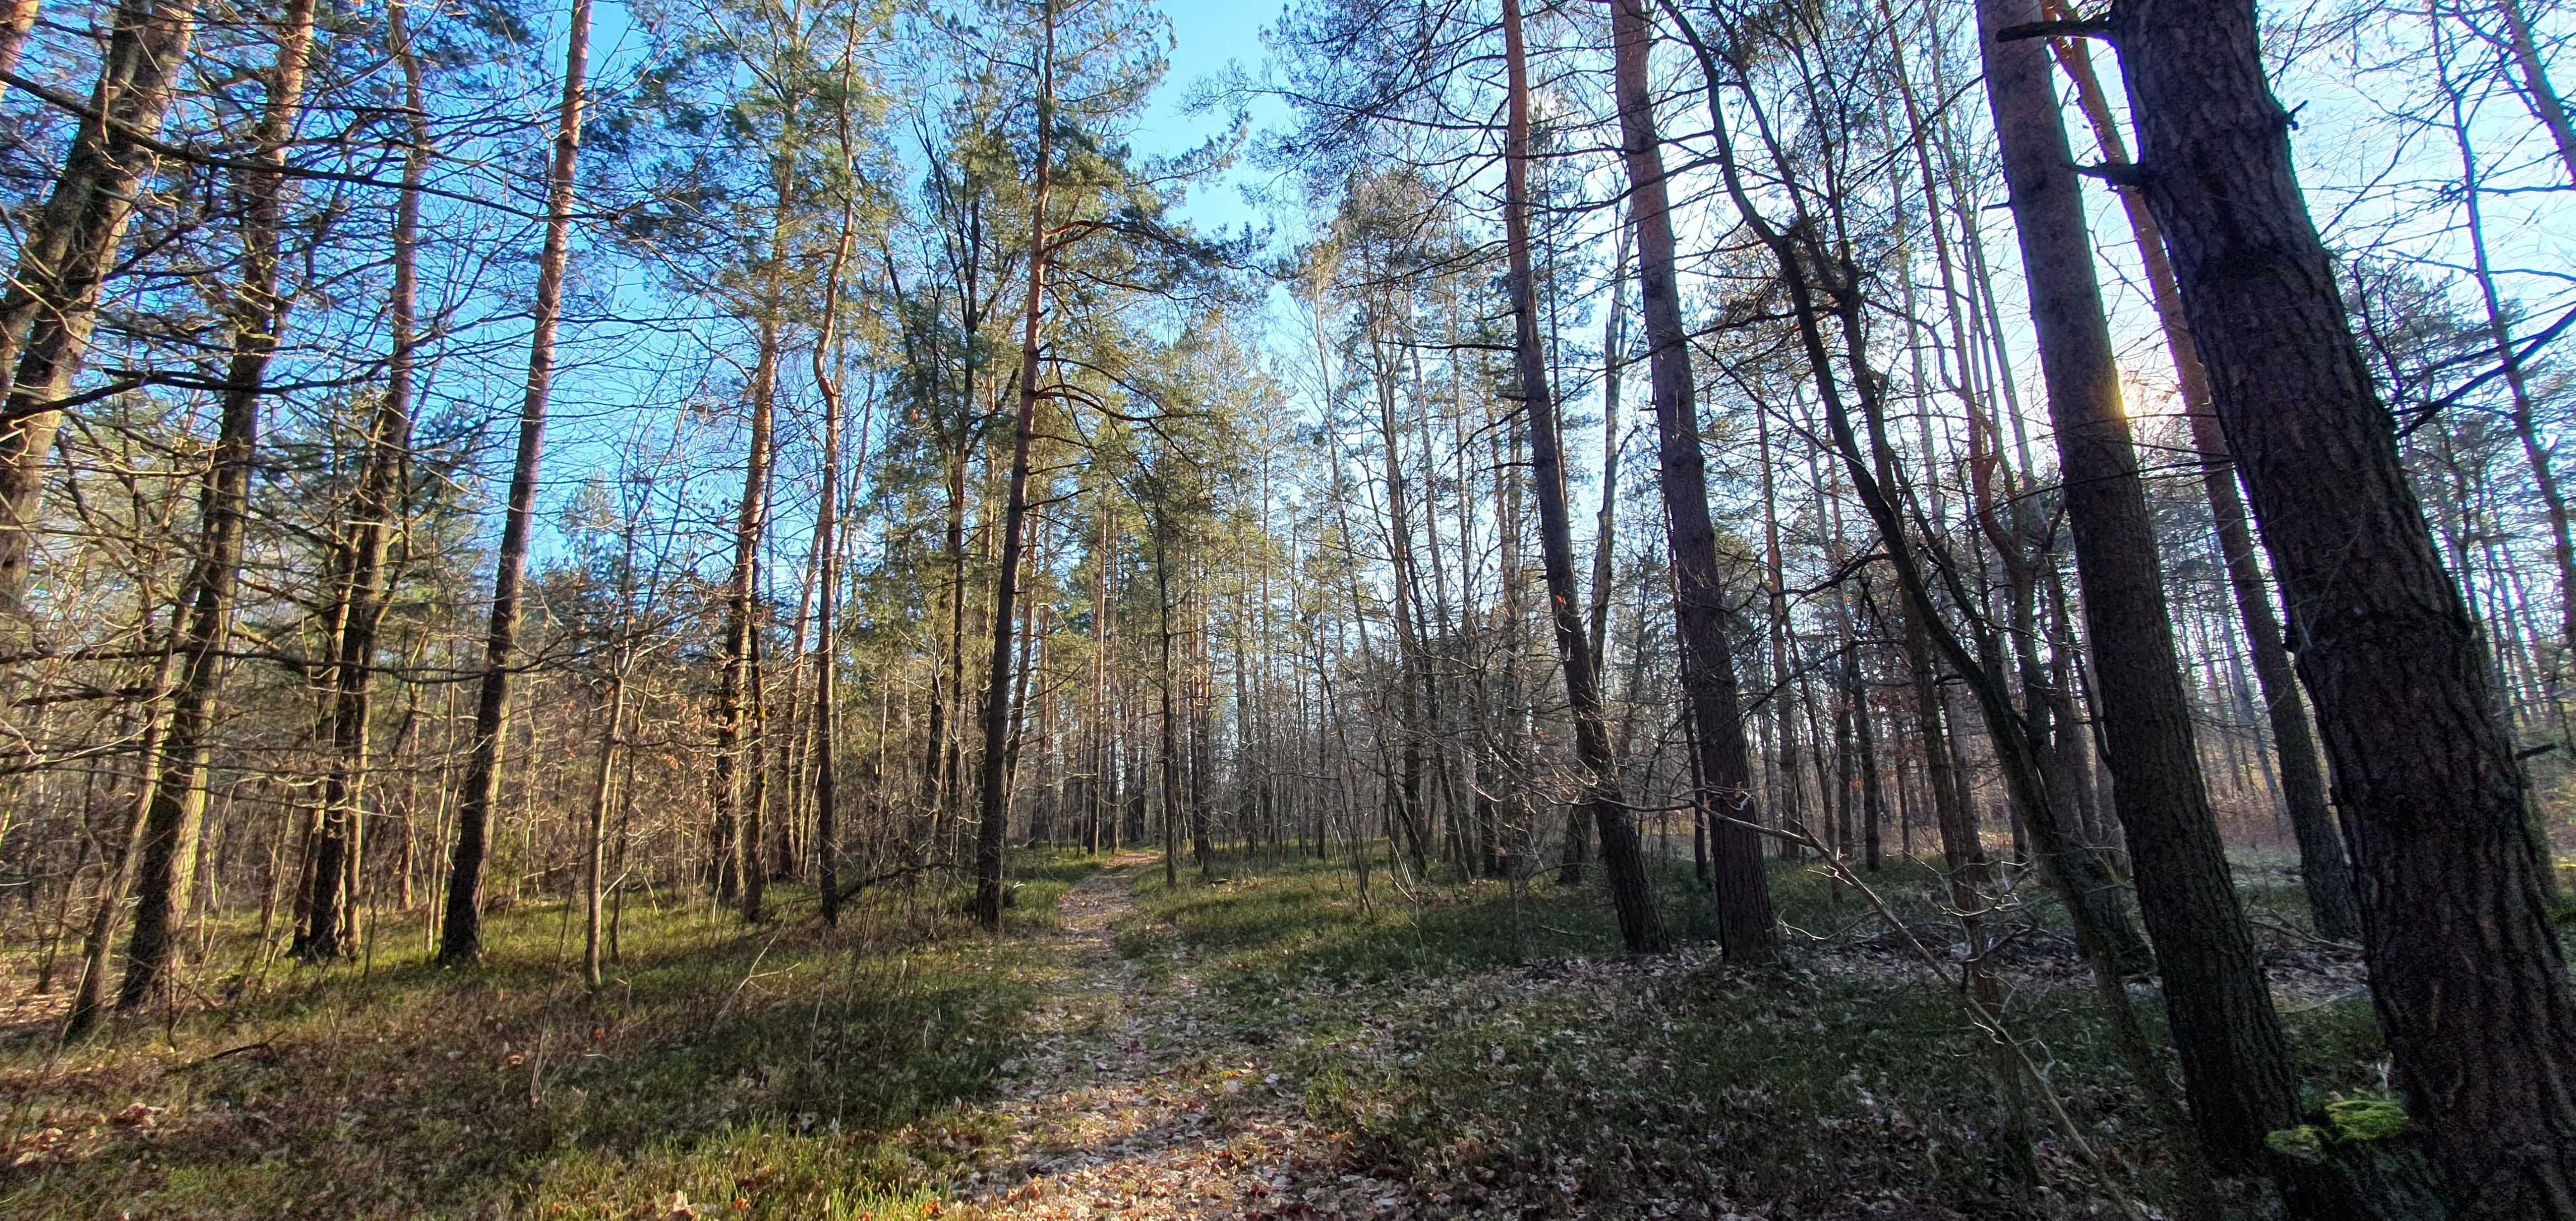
(1742,609)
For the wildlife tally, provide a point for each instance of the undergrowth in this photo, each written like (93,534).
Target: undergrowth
(1488,1043)
(771,1071)
(1485,1045)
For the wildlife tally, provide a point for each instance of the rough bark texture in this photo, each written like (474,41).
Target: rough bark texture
(1722,758)
(2533,81)
(2466,971)
(734,835)
(17,18)
(994,823)
(117,861)
(178,792)
(364,551)
(1605,520)
(461,929)
(827,521)
(258,315)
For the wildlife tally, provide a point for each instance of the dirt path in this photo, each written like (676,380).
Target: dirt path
(1135,1101)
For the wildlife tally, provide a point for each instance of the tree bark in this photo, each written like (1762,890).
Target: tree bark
(17,19)
(733,839)
(52,300)
(1622,861)
(2534,86)
(2466,970)
(2323,868)
(461,931)
(118,859)
(1605,521)
(1723,761)
(259,314)
(994,823)
(595,832)
(2236,1062)
(827,522)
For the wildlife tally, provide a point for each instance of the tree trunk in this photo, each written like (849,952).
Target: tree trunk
(2562,551)
(2466,970)
(1723,761)
(2322,865)
(1872,793)
(733,845)
(994,823)
(1813,278)
(118,860)
(1614,360)
(595,832)
(67,251)
(1784,766)
(2534,86)
(461,932)
(17,18)
(259,314)
(2236,1062)
(1169,764)
(827,522)
(1622,862)
(178,792)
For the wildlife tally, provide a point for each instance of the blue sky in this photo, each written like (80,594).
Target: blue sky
(1209,35)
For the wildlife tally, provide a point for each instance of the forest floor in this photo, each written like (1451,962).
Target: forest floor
(1136,1098)
(1269,1041)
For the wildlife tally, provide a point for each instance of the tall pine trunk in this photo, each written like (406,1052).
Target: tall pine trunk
(258,315)
(117,859)
(993,822)
(2466,970)
(733,838)
(1722,760)
(1623,862)
(827,581)
(65,255)
(595,830)
(17,20)
(2322,865)
(461,931)
(2236,1062)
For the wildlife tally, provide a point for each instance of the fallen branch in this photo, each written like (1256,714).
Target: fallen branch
(192,1065)
(850,889)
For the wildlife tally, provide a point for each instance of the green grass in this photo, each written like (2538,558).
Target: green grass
(798,1073)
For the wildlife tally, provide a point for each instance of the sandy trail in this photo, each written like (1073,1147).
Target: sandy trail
(1134,1100)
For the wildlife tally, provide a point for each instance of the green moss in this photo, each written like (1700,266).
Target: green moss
(2363,1119)
(2306,1142)
(2349,1121)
